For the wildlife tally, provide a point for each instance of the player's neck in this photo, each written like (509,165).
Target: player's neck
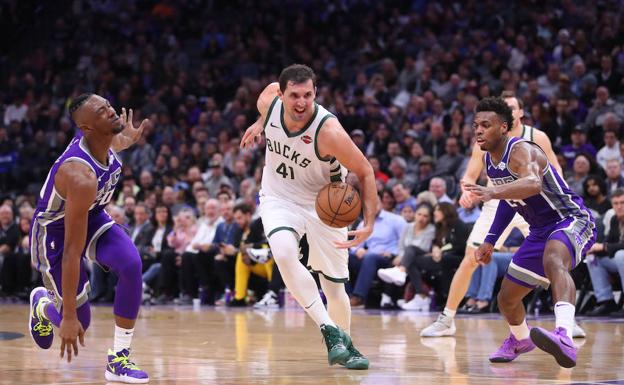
(98,148)
(497,153)
(293,126)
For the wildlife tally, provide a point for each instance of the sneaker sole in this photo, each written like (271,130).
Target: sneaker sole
(501,360)
(357,365)
(542,341)
(32,295)
(446,333)
(125,379)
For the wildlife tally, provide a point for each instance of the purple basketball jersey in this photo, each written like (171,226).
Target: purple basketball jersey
(50,209)
(556,213)
(48,225)
(555,203)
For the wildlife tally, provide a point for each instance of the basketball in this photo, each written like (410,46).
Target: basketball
(338,204)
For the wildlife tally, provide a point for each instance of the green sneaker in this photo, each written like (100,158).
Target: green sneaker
(337,341)
(356,360)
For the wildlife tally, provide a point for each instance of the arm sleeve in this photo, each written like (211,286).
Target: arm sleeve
(504,215)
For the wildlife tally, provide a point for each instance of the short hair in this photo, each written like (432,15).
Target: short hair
(617,193)
(77,102)
(296,73)
(499,107)
(508,94)
(242,207)
(144,206)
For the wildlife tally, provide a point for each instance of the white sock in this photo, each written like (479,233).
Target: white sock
(297,278)
(521,332)
(123,338)
(338,305)
(564,316)
(449,312)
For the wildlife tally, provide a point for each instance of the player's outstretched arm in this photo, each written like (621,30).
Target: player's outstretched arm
(130,134)
(334,141)
(527,162)
(473,170)
(78,184)
(263,104)
(542,140)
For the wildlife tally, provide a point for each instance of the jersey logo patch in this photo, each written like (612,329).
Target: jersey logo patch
(273,125)
(306,139)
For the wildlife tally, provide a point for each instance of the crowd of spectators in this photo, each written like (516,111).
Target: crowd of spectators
(402,77)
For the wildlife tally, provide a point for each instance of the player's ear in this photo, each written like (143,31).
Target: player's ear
(85,128)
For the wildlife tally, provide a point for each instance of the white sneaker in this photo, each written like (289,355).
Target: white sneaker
(443,326)
(418,303)
(392,275)
(269,301)
(386,301)
(578,332)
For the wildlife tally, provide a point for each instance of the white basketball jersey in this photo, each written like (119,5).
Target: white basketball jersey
(293,169)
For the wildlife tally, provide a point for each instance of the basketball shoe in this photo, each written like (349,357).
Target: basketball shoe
(337,342)
(511,349)
(443,326)
(40,327)
(269,301)
(121,369)
(556,343)
(356,360)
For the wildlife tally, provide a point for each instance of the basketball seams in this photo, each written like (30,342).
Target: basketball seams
(353,206)
(337,211)
(324,204)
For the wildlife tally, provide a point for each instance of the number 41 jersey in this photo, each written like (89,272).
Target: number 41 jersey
(293,169)
(50,210)
(554,203)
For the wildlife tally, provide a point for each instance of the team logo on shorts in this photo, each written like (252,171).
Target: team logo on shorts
(306,139)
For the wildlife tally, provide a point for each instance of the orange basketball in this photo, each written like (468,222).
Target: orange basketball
(338,204)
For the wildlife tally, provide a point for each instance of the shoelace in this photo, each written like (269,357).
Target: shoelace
(44,329)
(125,362)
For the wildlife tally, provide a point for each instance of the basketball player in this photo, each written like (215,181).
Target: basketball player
(70,223)
(561,232)
(306,147)
(445,324)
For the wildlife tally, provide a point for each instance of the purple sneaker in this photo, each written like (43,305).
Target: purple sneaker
(511,349)
(40,327)
(121,369)
(556,343)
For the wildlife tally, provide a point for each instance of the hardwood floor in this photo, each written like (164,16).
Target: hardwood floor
(182,345)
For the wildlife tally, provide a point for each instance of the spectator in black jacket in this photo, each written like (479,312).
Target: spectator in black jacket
(609,258)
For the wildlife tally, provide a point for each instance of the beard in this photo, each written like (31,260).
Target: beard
(117,129)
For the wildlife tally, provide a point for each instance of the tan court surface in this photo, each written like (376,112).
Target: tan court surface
(180,345)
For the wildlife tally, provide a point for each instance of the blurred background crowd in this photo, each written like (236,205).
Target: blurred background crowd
(403,78)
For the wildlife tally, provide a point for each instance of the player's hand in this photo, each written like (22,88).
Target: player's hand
(467,200)
(130,134)
(70,331)
(359,236)
(483,254)
(480,193)
(253,132)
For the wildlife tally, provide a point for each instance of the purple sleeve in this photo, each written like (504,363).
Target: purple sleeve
(504,215)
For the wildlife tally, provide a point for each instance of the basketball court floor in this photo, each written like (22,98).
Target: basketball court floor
(186,345)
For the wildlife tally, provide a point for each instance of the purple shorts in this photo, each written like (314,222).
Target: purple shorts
(47,245)
(527,267)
